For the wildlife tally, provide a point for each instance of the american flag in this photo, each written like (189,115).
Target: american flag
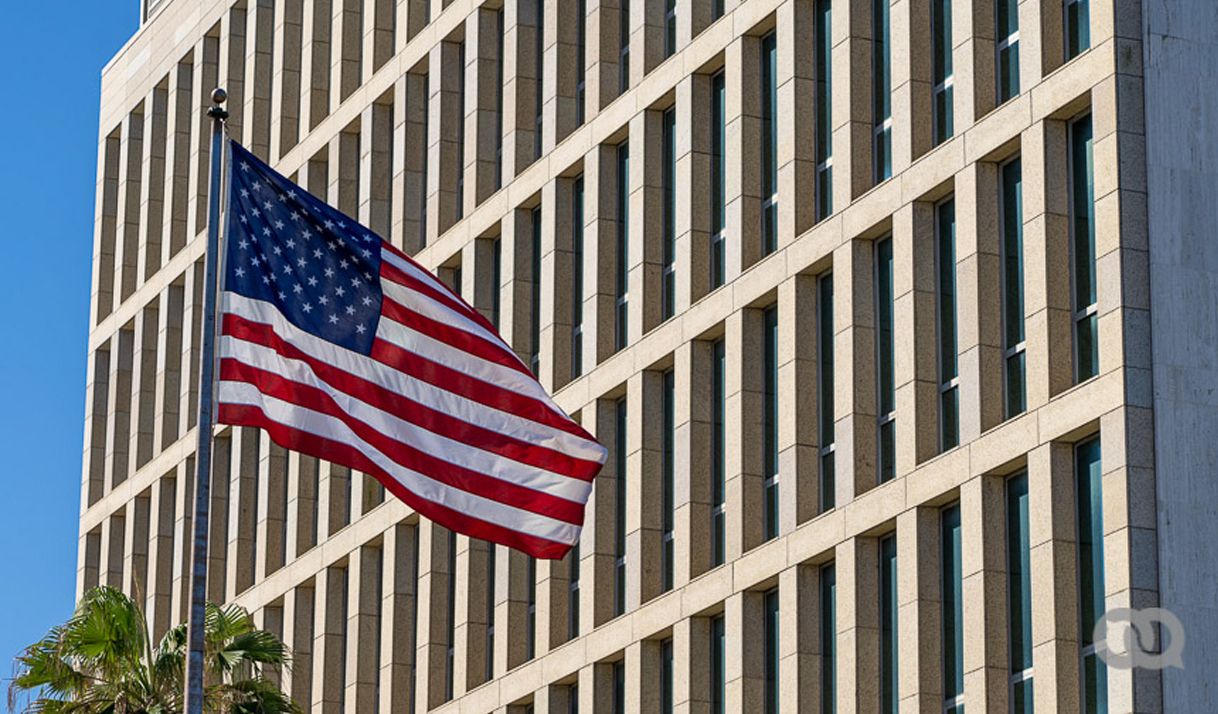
(341,347)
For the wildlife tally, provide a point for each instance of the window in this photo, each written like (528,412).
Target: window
(824,388)
(623,244)
(1006,17)
(619,687)
(1078,27)
(668,505)
(716,9)
(670,27)
(573,698)
(953,612)
(828,639)
(771,635)
(668,292)
(573,593)
(1019,595)
(718,180)
(888,626)
(769,144)
(824,108)
(718,660)
(581,72)
(1082,242)
(941,28)
(450,620)
(499,100)
(489,665)
(461,133)
(530,613)
(945,297)
(881,106)
(718,454)
(539,46)
(496,282)
(1013,345)
(619,516)
(535,276)
(770,421)
(666,679)
(623,78)
(1089,499)
(886,388)
(577,278)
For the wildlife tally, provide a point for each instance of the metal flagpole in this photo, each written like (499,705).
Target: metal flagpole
(198,557)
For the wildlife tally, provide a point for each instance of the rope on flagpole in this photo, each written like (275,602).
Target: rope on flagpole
(198,571)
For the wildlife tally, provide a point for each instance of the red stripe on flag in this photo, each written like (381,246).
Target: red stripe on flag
(320,447)
(452,336)
(438,291)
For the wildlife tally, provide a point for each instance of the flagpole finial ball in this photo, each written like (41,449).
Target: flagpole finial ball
(218,95)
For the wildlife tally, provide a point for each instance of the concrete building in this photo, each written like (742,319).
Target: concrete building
(898,318)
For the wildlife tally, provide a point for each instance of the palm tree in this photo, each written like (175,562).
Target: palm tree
(102,661)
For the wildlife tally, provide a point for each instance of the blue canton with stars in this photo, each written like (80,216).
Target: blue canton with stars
(317,266)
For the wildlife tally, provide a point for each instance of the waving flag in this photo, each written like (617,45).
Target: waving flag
(341,347)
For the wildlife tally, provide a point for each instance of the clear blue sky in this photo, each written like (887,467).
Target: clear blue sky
(50,69)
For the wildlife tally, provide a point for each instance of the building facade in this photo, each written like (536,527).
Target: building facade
(896,316)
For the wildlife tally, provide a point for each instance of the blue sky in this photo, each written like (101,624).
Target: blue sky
(50,69)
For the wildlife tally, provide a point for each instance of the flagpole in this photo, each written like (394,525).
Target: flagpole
(198,559)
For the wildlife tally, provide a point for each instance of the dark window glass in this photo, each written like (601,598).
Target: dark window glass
(577,278)
(771,635)
(622,282)
(669,507)
(1012,289)
(1019,594)
(953,612)
(884,360)
(1090,502)
(718,673)
(949,391)
(1078,27)
(770,421)
(769,144)
(718,180)
(1006,17)
(668,292)
(881,63)
(828,639)
(888,626)
(718,454)
(1082,234)
(941,21)
(824,319)
(824,108)
(619,510)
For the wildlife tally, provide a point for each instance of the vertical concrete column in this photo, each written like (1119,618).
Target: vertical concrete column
(691,666)
(106,218)
(469,633)
(693,179)
(643,674)
(1042,39)
(742,157)
(270,618)
(799,663)
(118,420)
(481,110)
(912,64)
(329,640)
(511,608)
(744,652)
(182,533)
(412,16)
(171,321)
(298,638)
(984,573)
(919,639)
(553,589)
(127,244)
(743,426)
(596,539)
(644,497)
(206,77)
(192,326)
(478,275)
(798,452)
(796,129)
(152,200)
(409,204)
(555,699)
(315,64)
(286,65)
(600,264)
(646,37)
(1054,571)
(243,514)
(233,44)
(692,19)
(259,71)
(646,230)
(271,523)
(516,281)
(915,368)
(363,615)
(975,82)
(858,626)
(520,86)
(854,365)
(560,76)
(431,643)
(445,130)
(222,467)
(376,166)
(135,546)
(177,159)
(378,35)
(143,384)
(1046,240)
(347,41)
(692,375)
(159,585)
(93,481)
(557,265)
(596,688)
(602,63)
(114,530)
(343,162)
(399,546)
(88,557)
(302,506)
(978,299)
(852,99)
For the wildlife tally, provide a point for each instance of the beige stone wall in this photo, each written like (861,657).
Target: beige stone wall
(394,112)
